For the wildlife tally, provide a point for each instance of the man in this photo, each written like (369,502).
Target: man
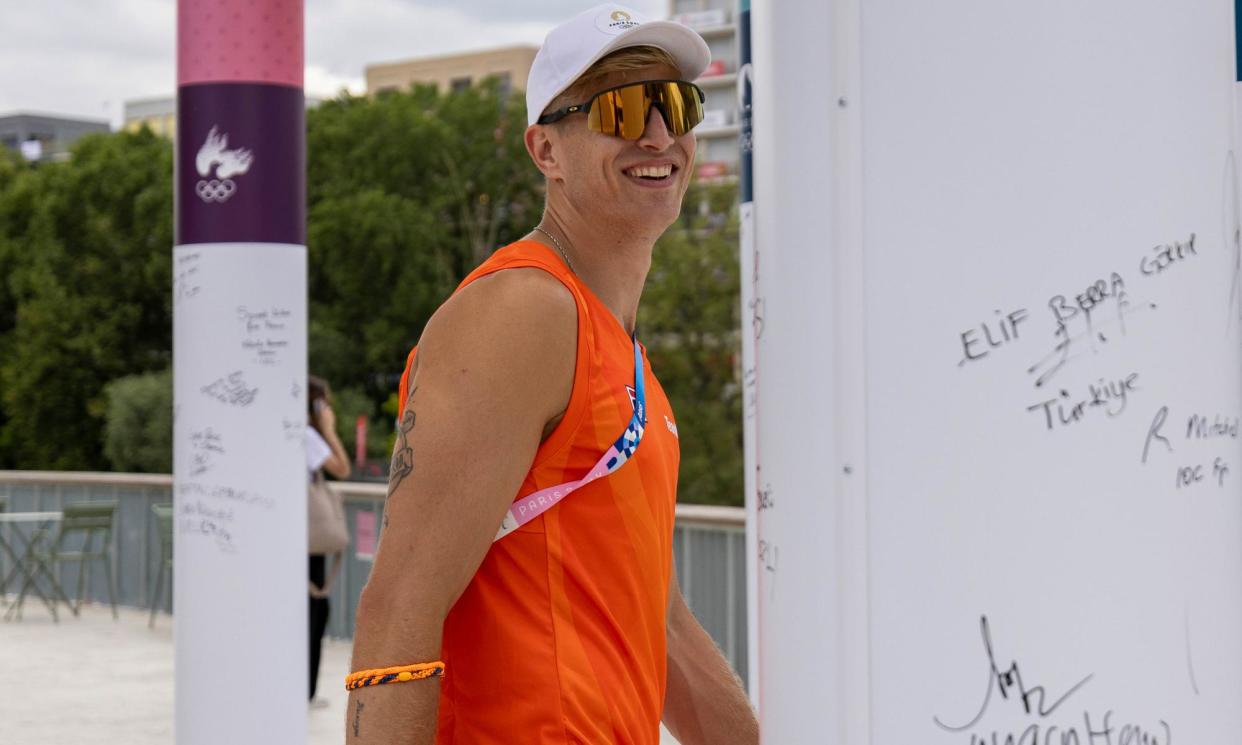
(528,547)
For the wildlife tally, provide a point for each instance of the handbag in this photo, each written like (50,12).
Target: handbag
(318,592)
(327,532)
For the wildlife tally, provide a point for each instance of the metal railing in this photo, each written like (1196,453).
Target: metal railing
(709,547)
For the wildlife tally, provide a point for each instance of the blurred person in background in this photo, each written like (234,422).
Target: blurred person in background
(324,452)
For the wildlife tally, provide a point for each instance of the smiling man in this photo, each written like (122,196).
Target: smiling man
(525,591)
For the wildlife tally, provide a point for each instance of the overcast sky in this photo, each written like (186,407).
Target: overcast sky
(87,57)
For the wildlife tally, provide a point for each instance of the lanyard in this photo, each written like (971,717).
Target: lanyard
(533,505)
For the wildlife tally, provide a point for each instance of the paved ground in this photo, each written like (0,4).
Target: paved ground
(94,680)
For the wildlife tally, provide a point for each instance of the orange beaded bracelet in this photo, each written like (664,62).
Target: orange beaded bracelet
(380,676)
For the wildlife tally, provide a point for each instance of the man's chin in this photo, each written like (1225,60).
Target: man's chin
(655,218)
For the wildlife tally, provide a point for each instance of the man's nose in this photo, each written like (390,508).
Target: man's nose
(656,136)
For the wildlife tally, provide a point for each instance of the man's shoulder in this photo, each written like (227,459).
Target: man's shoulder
(528,305)
(507,341)
(526,292)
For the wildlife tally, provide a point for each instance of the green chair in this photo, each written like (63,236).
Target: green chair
(89,519)
(4,576)
(164,522)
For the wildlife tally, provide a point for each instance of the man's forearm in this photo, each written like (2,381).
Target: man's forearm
(400,712)
(705,703)
(395,712)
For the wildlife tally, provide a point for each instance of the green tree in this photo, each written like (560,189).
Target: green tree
(351,403)
(689,320)
(408,192)
(11,172)
(405,190)
(88,240)
(372,284)
(138,425)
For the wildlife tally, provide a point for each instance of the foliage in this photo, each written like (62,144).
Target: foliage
(138,431)
(87,262)
(689,319)
(10,171)
(407,192)
(351,403)
(389,409)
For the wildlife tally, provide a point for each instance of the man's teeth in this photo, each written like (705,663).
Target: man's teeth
(651,171)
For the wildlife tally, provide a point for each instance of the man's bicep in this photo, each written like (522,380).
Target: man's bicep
(453,480)
(489,372)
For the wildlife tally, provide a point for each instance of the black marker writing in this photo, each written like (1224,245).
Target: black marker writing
(205,445)
(231,390)
(765,499)
(1191,475)
(1082,313)
(1034,700)
(756,317)
(1089,733)
(1166,256)
(1110,396)
(976,348)
(1154,432)
(769,556)
(1088,300)
(1232,223)
(1220,469)
(1198,427)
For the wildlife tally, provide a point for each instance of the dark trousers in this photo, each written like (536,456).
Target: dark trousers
(318,618)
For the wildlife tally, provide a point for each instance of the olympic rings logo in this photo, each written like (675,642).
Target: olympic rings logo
(215,190)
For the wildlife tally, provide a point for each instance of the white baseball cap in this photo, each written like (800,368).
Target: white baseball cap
(583,40)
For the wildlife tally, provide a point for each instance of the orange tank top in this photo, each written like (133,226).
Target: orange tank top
(560,636)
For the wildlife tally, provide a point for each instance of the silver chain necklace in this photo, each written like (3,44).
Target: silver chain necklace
(557,243)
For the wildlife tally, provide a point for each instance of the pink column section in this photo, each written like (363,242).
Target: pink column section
(240,41)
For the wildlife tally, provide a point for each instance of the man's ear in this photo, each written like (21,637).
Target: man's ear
(542,144)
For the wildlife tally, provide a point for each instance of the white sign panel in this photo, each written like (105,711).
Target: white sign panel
(1000,377)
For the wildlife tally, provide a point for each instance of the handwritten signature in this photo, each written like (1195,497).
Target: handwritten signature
(232,390)
(1008,682)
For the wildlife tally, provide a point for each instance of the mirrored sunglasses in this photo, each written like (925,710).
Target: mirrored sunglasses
(623,111)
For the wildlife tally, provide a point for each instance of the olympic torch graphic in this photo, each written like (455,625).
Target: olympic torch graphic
(239,341)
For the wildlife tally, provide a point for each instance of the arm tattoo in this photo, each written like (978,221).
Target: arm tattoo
(403,454)
(357,717)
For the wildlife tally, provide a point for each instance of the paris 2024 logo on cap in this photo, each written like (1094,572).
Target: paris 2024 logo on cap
(215,156)
(615,21)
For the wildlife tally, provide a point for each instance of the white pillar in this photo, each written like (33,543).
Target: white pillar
(812,623)
(239,362)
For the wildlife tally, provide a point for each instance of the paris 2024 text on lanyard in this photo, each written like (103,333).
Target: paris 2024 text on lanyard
(533,505)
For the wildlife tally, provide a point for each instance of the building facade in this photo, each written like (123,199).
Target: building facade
(451,72)
(44,136)
(715,20)
(158,114)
